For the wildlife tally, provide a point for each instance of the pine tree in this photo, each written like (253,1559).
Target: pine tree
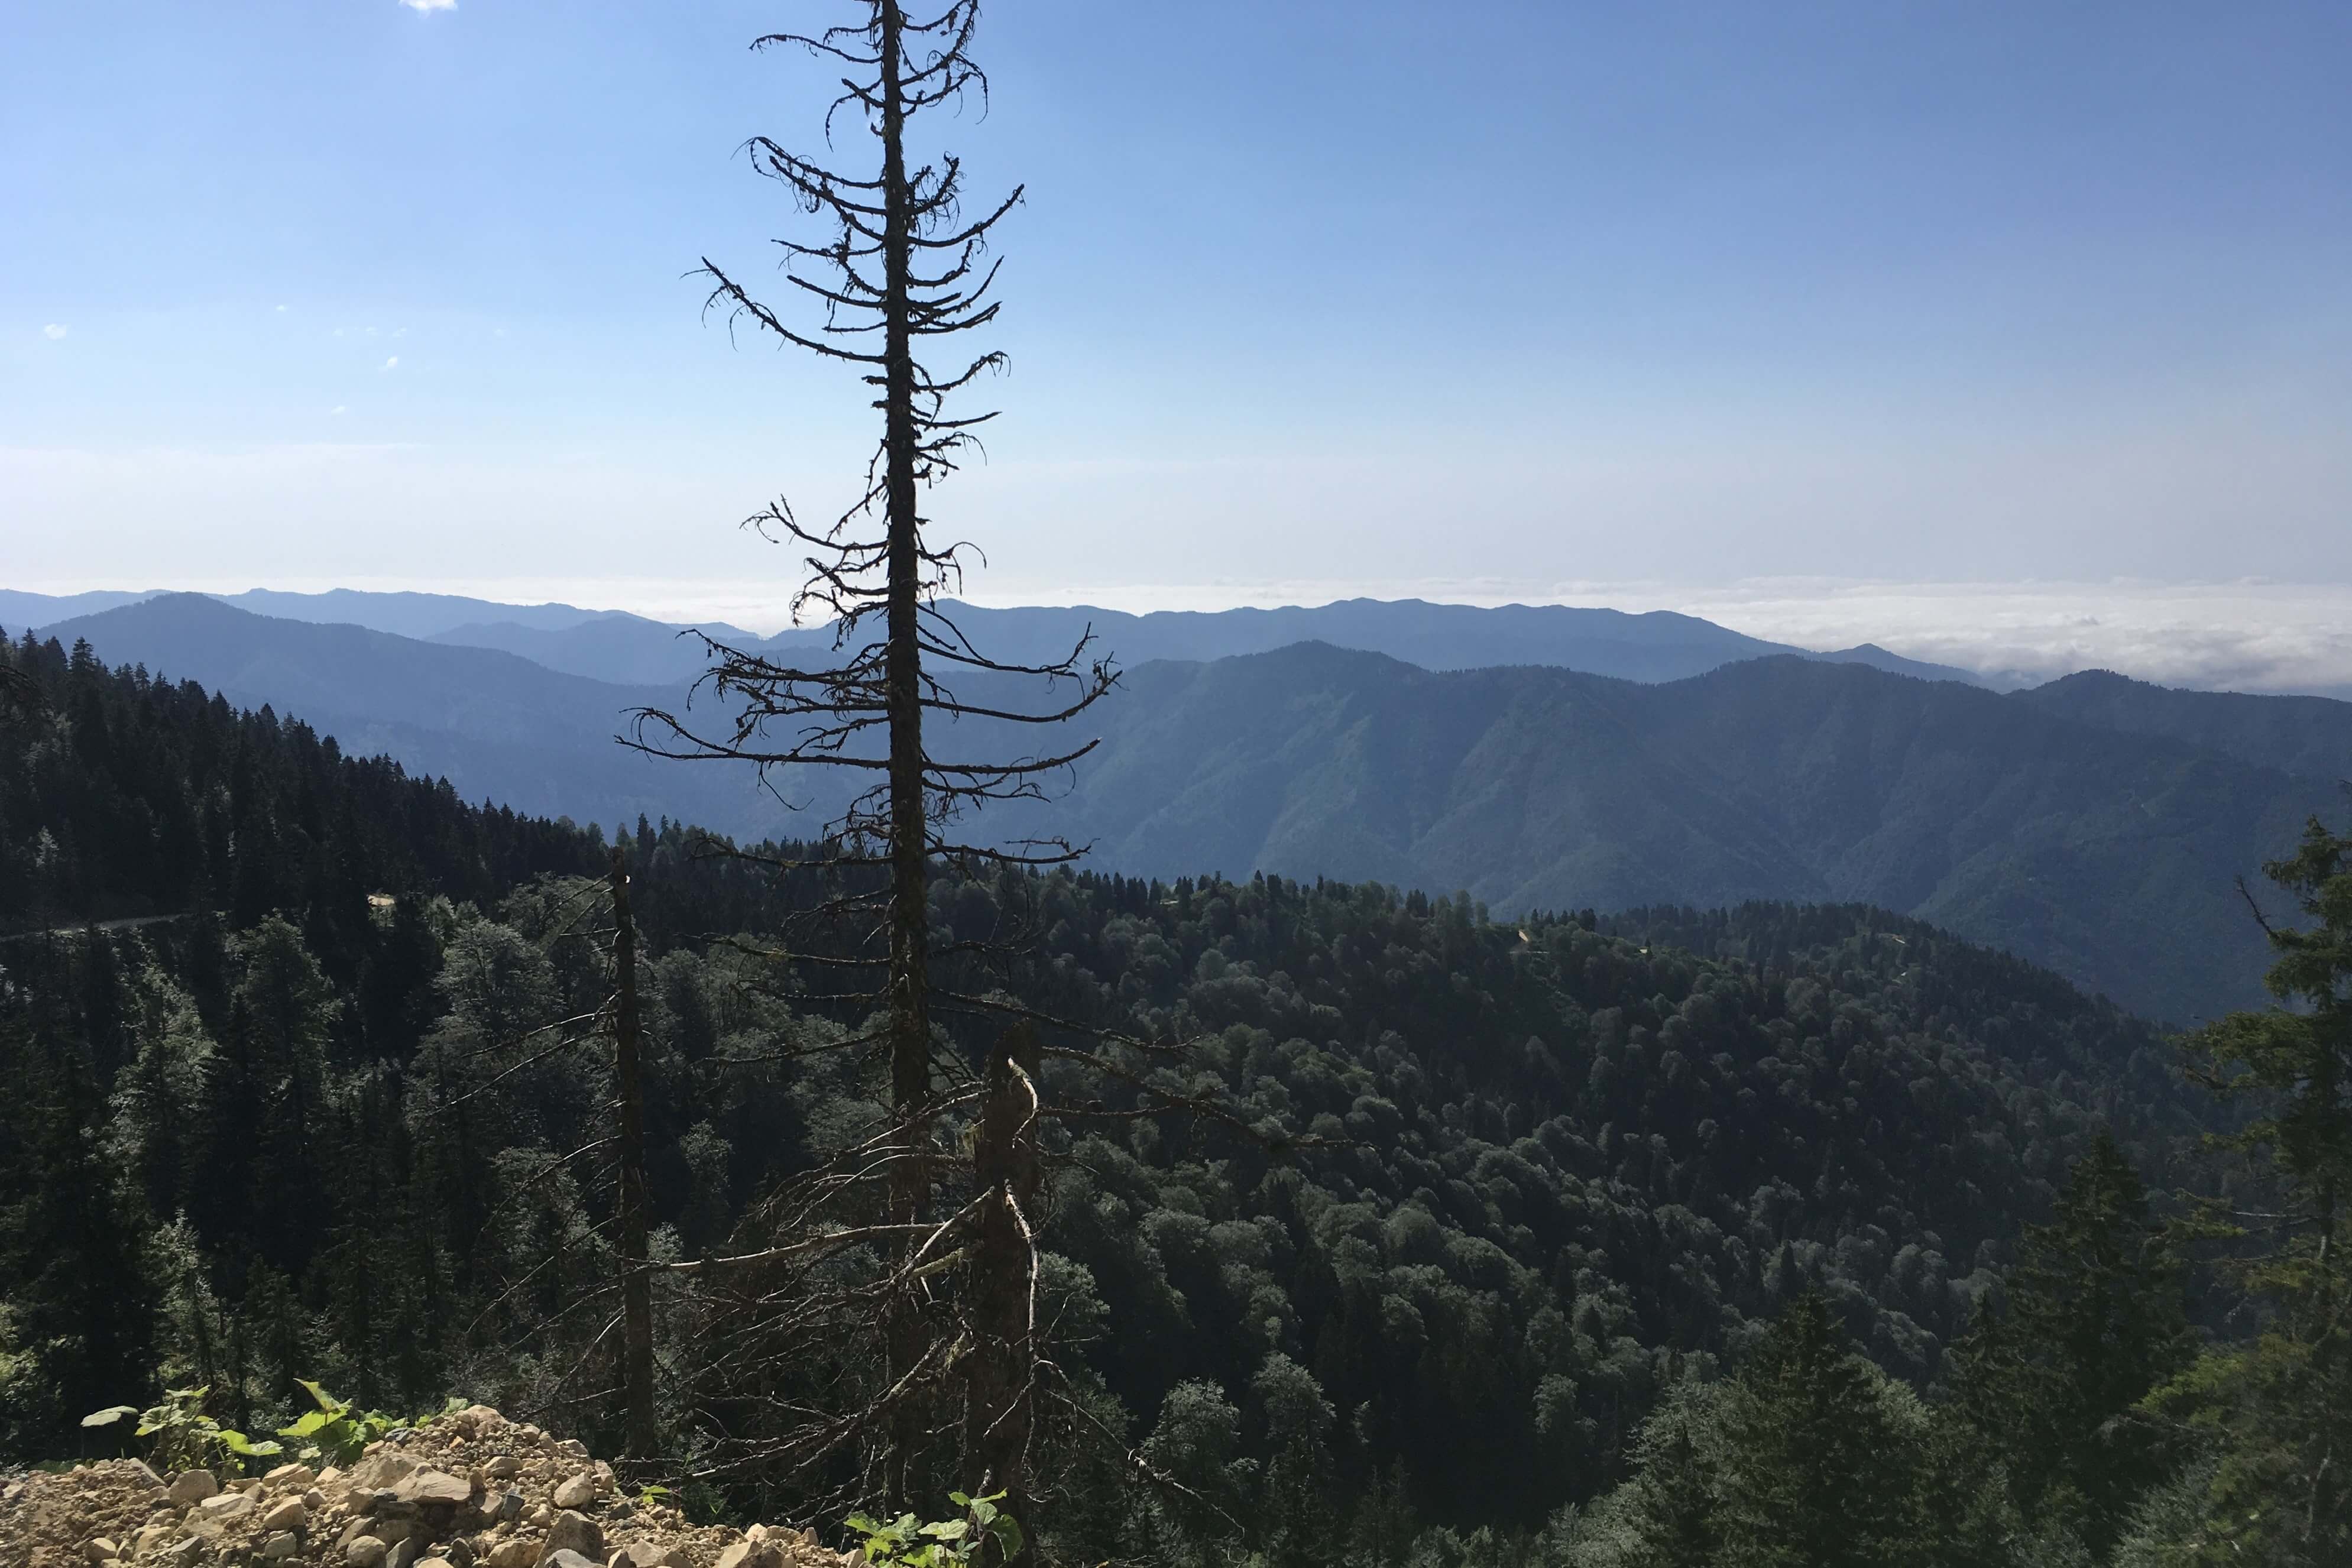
(1821,1454)
(1672,1509)
(2097,1319)
(81,1305)
(2280,1410)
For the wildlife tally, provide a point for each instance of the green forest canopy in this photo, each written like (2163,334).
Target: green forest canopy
(1583,1166)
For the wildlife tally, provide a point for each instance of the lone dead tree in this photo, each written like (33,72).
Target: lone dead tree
(628,1082)
(609,1256)
(900,271)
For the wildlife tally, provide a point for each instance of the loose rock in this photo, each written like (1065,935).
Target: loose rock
(427,1489)
(577,1532)
(192,1488)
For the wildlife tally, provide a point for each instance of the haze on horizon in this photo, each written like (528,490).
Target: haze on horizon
(1961,329)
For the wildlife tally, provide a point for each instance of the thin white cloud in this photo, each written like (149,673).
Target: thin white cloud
(53,332)
(424,7)
(337,408)
(391,364)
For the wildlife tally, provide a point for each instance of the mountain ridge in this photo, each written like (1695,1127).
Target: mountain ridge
(629,649)
(2107,854)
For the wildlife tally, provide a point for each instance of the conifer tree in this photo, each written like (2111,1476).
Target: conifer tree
(2280,1411)
(78,1319)
(2097,1319)
(1671,1509)
(1819,1469)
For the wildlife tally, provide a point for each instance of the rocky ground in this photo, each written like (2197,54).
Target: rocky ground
(471,1490)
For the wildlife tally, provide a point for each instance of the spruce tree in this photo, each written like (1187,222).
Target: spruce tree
(2279,1412)
(1821,1467)
(2097,1319)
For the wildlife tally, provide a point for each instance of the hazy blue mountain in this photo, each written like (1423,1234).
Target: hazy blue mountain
(2308,735)
(2106,855)
(19,609)
(404,613)
(1656,645)
(616,647)
(2109,856)
(499,727)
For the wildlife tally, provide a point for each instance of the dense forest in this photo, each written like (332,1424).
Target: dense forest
(1533,1233)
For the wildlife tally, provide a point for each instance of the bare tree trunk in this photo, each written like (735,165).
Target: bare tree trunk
(1001,1375)
(637,1284)
(909,1012)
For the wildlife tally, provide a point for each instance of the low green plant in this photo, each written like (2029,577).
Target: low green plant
(943,1543)
(183,1438)
(336,1431)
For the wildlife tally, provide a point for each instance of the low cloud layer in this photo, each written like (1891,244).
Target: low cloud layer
(2240,637)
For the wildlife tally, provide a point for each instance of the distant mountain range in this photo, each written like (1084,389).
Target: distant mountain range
(499,727)
(404,615)
(630,650)
(2095,824)
(1657,645)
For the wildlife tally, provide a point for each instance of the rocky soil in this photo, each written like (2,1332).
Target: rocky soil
(471,1490)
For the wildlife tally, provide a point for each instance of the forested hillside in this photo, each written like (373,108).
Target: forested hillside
(497,726)
(2110,858)
(1562,1165)
(124,796)
(2311,736)
(2101,838)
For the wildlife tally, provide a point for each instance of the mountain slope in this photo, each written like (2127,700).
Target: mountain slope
(1656,645)
(19,609)
(1659,645)
(626,649)
(2307,736)
(2110,858)
(498,726)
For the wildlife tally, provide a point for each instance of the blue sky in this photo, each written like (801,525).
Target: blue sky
(1304,296)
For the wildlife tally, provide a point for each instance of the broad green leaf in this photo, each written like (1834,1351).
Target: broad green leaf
(109,1415)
